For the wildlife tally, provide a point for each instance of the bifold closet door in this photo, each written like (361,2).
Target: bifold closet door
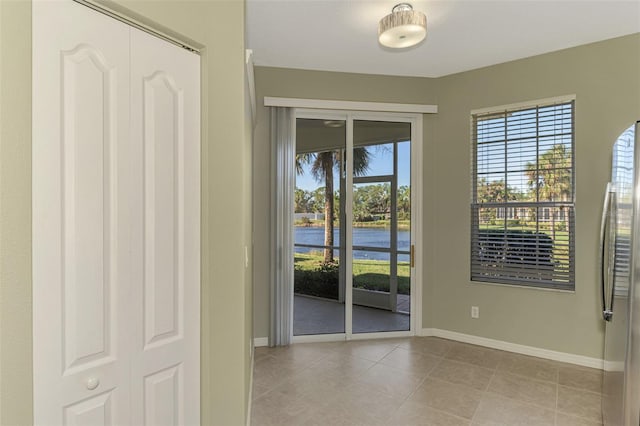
(165,117)
(81,193)
(116,223)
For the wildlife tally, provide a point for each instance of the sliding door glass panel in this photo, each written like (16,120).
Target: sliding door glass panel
(381,226)
(403,209)
(319,278)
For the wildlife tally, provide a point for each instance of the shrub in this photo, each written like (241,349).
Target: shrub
(305,221)
(323,281)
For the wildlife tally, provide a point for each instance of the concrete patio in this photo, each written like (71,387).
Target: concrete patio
(323,316)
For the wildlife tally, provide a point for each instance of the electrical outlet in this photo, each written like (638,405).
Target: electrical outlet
(475,312)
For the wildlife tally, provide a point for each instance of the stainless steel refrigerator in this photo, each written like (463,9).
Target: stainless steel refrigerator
(620,278)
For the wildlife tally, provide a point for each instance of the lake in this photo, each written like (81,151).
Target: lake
(371,237)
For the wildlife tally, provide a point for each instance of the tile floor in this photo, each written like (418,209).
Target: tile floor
(418,381)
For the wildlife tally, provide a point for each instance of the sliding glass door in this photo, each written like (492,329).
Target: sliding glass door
(353,224)
(319,277)
(381,225)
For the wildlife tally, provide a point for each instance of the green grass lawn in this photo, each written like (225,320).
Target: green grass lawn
(316,279)
(404,225)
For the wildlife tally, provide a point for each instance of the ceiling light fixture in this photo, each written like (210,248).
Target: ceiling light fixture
(403,27)
(334,123)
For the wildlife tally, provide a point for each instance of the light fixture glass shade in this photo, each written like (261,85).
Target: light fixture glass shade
(334,123)
(404,27)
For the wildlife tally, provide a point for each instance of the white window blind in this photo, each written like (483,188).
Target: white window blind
(523,198)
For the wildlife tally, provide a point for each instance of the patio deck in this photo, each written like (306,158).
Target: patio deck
(323,316)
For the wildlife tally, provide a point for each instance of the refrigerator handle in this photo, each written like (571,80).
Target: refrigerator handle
(604,259)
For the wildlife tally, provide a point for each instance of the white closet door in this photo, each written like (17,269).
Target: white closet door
(116,223)
(165,125)
(81,152)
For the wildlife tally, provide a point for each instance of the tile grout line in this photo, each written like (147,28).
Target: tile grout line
(421,354)
(484,393)
(519,401)
(581,389)
(557,396)
(516,376)
(449,414)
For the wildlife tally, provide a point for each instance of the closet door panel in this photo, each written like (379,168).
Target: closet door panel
(80,133)
(87,203)
(95,411)
(163,217)
(165,94)
(163,399)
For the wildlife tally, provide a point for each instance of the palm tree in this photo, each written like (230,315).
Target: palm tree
(322,166)
(493,192)
(404,201)
(551,179)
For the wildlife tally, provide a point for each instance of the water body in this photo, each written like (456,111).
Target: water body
(371,237)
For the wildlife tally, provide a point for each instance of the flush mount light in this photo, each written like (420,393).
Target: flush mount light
(334,123)
(403,27)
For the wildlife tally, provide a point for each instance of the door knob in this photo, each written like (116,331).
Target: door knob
(92,383)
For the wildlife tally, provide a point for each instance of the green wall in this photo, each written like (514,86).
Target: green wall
(604,76)
(15,213)
(226,226)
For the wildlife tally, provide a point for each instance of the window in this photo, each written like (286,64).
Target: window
(522,209)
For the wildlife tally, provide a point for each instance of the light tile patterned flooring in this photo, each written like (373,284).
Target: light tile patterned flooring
(418,381)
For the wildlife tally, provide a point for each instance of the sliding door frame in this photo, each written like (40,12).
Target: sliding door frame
(415,119)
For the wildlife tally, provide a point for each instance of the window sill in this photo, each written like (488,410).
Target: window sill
(528,287)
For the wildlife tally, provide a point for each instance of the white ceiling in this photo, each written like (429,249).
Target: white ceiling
(341,35)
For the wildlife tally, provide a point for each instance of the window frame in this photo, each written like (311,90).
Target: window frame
(479,267)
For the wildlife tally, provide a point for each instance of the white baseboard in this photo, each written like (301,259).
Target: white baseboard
(425,332)
(260,341)
(494,344)
(514,347)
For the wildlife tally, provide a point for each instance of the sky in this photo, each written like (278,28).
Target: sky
(508,143)
(380,163)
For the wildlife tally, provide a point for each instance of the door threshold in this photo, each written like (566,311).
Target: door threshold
(342,337)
